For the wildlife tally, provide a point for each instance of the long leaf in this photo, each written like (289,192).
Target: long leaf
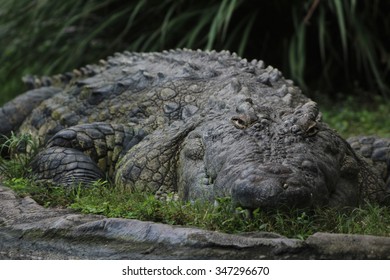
(342,25)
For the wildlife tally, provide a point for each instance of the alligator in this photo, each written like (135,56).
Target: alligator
(197,124)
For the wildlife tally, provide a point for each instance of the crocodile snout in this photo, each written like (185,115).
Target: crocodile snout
(274,187)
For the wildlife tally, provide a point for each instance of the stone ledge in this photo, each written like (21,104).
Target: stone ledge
(350,246)
(29,231)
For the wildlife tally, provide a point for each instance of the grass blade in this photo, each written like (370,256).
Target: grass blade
(342,26)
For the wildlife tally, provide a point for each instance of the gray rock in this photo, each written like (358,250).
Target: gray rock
(350,246)
(29,231)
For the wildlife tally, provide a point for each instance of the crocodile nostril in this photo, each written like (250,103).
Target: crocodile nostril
(308,165)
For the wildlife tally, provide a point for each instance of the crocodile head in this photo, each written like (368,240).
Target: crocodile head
(268,158)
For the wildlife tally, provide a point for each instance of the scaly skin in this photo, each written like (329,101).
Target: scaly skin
(377,151)
(200,124)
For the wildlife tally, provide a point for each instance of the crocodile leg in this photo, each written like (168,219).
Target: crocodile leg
(65,166)
(84,153)
(193,181)
(376,150)
(152,165)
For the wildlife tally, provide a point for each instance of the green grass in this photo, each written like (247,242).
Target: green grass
(354,117)
(20,149)
(104,199)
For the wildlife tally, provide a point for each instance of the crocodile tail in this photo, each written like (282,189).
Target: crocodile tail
(62,80)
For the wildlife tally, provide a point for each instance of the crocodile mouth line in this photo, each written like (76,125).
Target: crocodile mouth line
(273,189)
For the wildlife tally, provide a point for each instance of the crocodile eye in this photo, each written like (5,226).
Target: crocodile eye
(312,130)
(239,122)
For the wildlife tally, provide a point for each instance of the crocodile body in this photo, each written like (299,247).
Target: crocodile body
(199,124)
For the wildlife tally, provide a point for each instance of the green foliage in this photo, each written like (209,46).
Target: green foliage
(46,195)
(360,53)
(223,216)
(69,34)
(368,219)
(354,117)
(20,150)
(321,44)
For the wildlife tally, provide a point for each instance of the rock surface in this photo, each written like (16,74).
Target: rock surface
(29,231)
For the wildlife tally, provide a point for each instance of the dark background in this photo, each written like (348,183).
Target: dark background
(330,48)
